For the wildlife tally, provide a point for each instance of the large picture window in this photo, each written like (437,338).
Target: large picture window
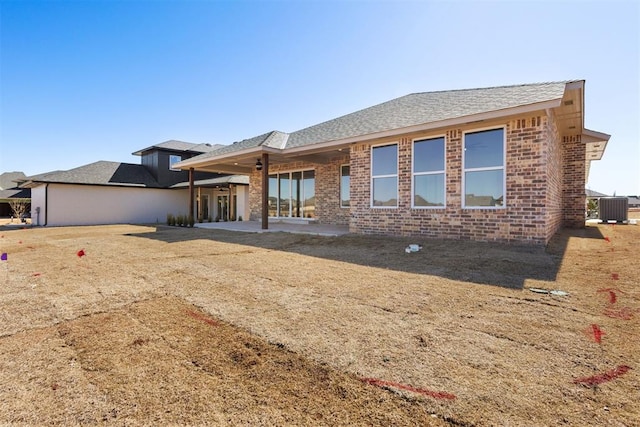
(429,173)
(345,184)
(484,178)
(292,194)
(384,176)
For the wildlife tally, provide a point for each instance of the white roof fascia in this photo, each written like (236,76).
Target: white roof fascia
(594,136)
(432,125)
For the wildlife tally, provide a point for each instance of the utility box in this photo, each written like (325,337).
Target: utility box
(614,209)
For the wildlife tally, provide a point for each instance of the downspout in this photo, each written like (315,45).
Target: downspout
(46,203)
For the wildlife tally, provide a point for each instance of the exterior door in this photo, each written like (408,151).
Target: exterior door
(204,206)
(223,207)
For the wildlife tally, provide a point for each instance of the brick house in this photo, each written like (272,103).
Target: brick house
(503,163)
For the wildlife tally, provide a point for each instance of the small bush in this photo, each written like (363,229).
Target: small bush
(200,219)
(209,219)
(191,221)
(171,219)
(240,218)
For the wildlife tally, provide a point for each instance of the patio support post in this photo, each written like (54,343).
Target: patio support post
(265,191)
(191,193)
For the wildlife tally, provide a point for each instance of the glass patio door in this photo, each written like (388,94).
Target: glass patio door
(292,194)
(223,207)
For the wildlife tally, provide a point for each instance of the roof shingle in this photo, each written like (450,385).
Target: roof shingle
(102,173)
(426,107)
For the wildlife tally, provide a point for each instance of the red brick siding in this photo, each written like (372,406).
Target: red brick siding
(522,220)
(544,188)
(574,196)
(553,200)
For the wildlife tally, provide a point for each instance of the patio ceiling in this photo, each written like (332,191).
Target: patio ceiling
(244,162)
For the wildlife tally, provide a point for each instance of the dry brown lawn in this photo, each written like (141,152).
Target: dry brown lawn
(159,325)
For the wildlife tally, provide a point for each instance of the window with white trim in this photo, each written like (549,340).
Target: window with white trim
(429,173)
(484,172)
(173,159)
(384,176)
(345,183)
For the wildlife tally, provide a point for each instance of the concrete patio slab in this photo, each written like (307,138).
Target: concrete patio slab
(256,227)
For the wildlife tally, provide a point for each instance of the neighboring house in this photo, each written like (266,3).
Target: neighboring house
(503,163)
(634,202)
(9,190)
(110,192)
(594,194)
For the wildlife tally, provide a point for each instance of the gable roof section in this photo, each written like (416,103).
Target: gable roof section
(426,107)
(9,187)
(274,139)
(180,146)
(99,173)
(8,179)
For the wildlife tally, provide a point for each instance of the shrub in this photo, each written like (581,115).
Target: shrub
(240,218)
(191,221)
(171,219)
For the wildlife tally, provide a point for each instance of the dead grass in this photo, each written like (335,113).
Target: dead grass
(182,326)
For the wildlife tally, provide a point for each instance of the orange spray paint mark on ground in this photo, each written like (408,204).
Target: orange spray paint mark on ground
(604,377)
(435,394)
(607,239)
(202,317)
(81,253)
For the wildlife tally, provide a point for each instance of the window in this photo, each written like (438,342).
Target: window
(292,194)
(345,183)
(428,173)
(484,179)
(384,176)
(173,160)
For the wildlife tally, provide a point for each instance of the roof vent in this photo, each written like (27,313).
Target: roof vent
(569,102)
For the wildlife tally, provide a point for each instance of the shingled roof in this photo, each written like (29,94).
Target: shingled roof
(9,186)
(180,146)
(404,112)
(426,107)
(100,173)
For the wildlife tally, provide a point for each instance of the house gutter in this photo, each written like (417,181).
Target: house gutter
(46,203)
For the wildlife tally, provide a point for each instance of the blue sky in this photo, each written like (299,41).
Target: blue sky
(97,80)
